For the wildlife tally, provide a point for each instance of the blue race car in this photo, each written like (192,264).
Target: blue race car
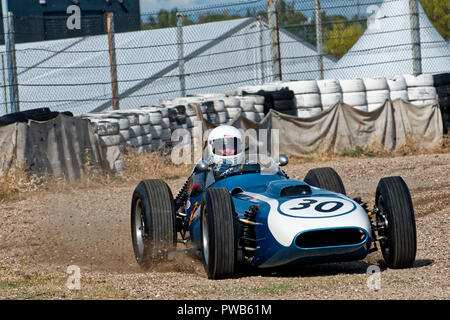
(247,214)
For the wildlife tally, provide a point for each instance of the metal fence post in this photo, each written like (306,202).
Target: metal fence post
(12,83)
(180,42)
(5,82)
(415,36)
(261,49)
(12,48)
(319,38)
(112,60)
(274,39)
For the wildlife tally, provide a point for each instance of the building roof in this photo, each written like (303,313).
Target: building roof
(74,74)
(385,49)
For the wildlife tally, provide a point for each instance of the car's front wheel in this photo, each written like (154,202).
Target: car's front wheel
(218,232)
(153,230)
(325,178)
(396,223)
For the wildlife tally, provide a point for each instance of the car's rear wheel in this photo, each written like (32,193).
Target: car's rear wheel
(325,178)
(396,223)
(218,232)
(153,217)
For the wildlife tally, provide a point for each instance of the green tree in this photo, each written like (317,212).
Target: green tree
(438,11)
(339,39)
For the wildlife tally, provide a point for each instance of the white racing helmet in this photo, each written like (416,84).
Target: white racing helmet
(225,145)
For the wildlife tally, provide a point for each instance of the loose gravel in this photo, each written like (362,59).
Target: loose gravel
(42,236)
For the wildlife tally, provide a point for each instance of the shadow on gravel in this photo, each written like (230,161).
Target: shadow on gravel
(417,264)
(311,270)
(318,270)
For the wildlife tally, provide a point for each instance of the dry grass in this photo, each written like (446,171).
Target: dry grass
(14,184)
(18,184)
(410,148)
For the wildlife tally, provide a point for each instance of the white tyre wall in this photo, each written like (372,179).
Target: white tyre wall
(362,108)
(259,108)
(219,105)
(421,93)
(164,112)
(329,86)
(192,121)
(147,139)
(233,112)
(222,117)
(165,122)
(255,98)
(247,104)
(108,141)
(309,100)
(249,115)
(308,112)
(397,84)
(421,103)
(133,119)
(124,136)
(330,99)
(373,107)
(155,118)
(136,141)
(156,131)
(354,98)
(377,96)
(105,128)
(136,131)
(123,122)
(403,94)
(143,118)
(231,102)
(372,84)
(146,129)
(301,87)
(423,80)
(352,85)
(190,111)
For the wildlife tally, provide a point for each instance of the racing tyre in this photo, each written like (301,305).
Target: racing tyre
(325,178)
(218,232)
(396,219)
(153,230)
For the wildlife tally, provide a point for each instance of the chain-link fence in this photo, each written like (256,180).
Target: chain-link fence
(217,49)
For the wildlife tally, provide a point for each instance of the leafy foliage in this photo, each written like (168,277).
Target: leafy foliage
(438,11)
(340,38)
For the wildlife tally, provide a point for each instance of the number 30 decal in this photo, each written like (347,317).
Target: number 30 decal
(319,207)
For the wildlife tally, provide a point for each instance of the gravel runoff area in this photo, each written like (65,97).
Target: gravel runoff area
(89,228)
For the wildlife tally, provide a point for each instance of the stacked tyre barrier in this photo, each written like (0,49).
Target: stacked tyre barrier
(140,130)
(377,92)
(150,127)
(442,85)
(271,96)
(354,93)
(330,92)
(421,90)
(397,88)
(307,98)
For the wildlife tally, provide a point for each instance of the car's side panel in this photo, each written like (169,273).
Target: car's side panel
(279,220)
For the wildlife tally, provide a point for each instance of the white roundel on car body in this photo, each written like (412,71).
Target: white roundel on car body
(316,207)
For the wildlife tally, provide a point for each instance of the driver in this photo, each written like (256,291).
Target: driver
(225,147)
